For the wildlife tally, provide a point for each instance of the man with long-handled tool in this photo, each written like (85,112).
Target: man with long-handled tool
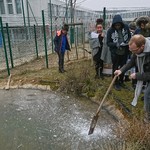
(140,47)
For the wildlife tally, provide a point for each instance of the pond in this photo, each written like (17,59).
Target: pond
(44,120)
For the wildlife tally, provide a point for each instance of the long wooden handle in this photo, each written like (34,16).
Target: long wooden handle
(107,92)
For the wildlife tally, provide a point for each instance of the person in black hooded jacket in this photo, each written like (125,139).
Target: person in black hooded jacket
(118,36)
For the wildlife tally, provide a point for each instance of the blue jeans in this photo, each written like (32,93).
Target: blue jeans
(147,99)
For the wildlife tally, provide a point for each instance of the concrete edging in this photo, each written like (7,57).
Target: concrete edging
(28,86)
(111,109)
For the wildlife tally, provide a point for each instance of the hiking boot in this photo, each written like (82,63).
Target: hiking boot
(117,87)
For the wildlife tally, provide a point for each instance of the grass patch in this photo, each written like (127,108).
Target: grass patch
(79,80)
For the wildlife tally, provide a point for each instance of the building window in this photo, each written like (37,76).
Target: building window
(2,8)
(10,6)
(18,6)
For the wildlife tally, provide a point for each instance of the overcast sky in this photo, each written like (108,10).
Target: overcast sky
(99,4)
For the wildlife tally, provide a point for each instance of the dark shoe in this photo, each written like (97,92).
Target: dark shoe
(142,98)
(123,85)
(102,76)
(127,79)
(62,70)
(117,87)
(134,86)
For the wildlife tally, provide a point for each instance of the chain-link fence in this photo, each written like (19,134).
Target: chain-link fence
(22,43)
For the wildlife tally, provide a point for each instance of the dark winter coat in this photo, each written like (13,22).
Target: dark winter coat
(112,34)
(58,42)
(145,76)
(145,32)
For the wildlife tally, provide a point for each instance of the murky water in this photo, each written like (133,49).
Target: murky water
(42,120)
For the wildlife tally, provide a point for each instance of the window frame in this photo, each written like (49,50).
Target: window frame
(2,11)
(8,6)
(18,8)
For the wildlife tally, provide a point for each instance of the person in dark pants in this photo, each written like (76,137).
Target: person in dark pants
(96,43)
(118,36)
(140,47)
(61,45)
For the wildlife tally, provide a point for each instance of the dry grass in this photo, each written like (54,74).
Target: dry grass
(136,135)
(79,80)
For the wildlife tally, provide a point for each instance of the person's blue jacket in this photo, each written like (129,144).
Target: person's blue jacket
(58,40)
(112,34)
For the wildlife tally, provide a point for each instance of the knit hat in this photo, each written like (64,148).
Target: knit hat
(132,25)
(65,27)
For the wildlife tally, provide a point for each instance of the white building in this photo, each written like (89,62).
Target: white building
(11,12)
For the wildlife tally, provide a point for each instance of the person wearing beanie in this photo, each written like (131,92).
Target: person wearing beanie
(132,27)
(61,45)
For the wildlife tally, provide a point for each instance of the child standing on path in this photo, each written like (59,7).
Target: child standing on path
(61,45)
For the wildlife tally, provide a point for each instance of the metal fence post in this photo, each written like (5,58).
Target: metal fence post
(45,41)
(51,25)
(3,37)
(76,44)
(24,19)
(83,41)
(104,17)
(36,46)
(77,36)
(71,36)
(9,44)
